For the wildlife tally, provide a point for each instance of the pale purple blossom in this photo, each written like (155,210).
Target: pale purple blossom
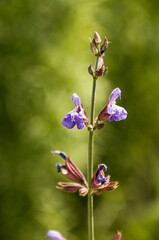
(116,112)
(55,235)
(76,116)
(112,111)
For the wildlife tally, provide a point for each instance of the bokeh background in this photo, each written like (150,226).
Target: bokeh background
(44,50)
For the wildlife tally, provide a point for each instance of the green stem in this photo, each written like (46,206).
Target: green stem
(90,160)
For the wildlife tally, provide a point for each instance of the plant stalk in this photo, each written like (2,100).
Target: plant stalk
(90,159)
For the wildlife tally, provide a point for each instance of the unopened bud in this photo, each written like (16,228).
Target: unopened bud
(93,47)
(99,126)
(83,191)
(100,62)
(104,45)
(101,72)
(97,37)
(90,128)
(90,69)
(117,236)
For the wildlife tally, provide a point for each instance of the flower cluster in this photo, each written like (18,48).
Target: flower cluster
(110,112)
(101,70)
(98,183)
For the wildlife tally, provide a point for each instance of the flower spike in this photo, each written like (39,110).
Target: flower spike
(77,116)
(55,235)
(112,111)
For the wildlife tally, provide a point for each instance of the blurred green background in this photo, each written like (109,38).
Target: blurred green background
(44,49)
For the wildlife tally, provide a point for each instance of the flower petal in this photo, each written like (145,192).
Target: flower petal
(114,95)
(74,173)
(69,187)
(55,235)
(61,154)
(118,113)
(68,120)
(76,100)
(79,121)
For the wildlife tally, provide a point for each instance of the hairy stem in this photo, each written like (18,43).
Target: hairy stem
(90,159)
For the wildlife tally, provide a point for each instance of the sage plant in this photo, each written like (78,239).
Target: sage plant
(96,182)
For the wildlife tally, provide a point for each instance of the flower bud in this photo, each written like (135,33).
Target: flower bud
(99,126)
(97,37)
(104,46)
(93,47)
(101,71)
(90,69)
(83,191)
(90,128)
(117,236)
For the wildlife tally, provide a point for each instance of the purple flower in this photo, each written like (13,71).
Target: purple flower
(100,174)
(101,183)
(76,116)
(116,112)
(112,111)
(99,177)
(55,235)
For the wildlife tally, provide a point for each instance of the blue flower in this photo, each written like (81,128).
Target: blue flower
(76,116)
(112,111)
(100,174)
(101,183)
(55,235)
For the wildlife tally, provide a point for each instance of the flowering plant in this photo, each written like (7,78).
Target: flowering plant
(96,182)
